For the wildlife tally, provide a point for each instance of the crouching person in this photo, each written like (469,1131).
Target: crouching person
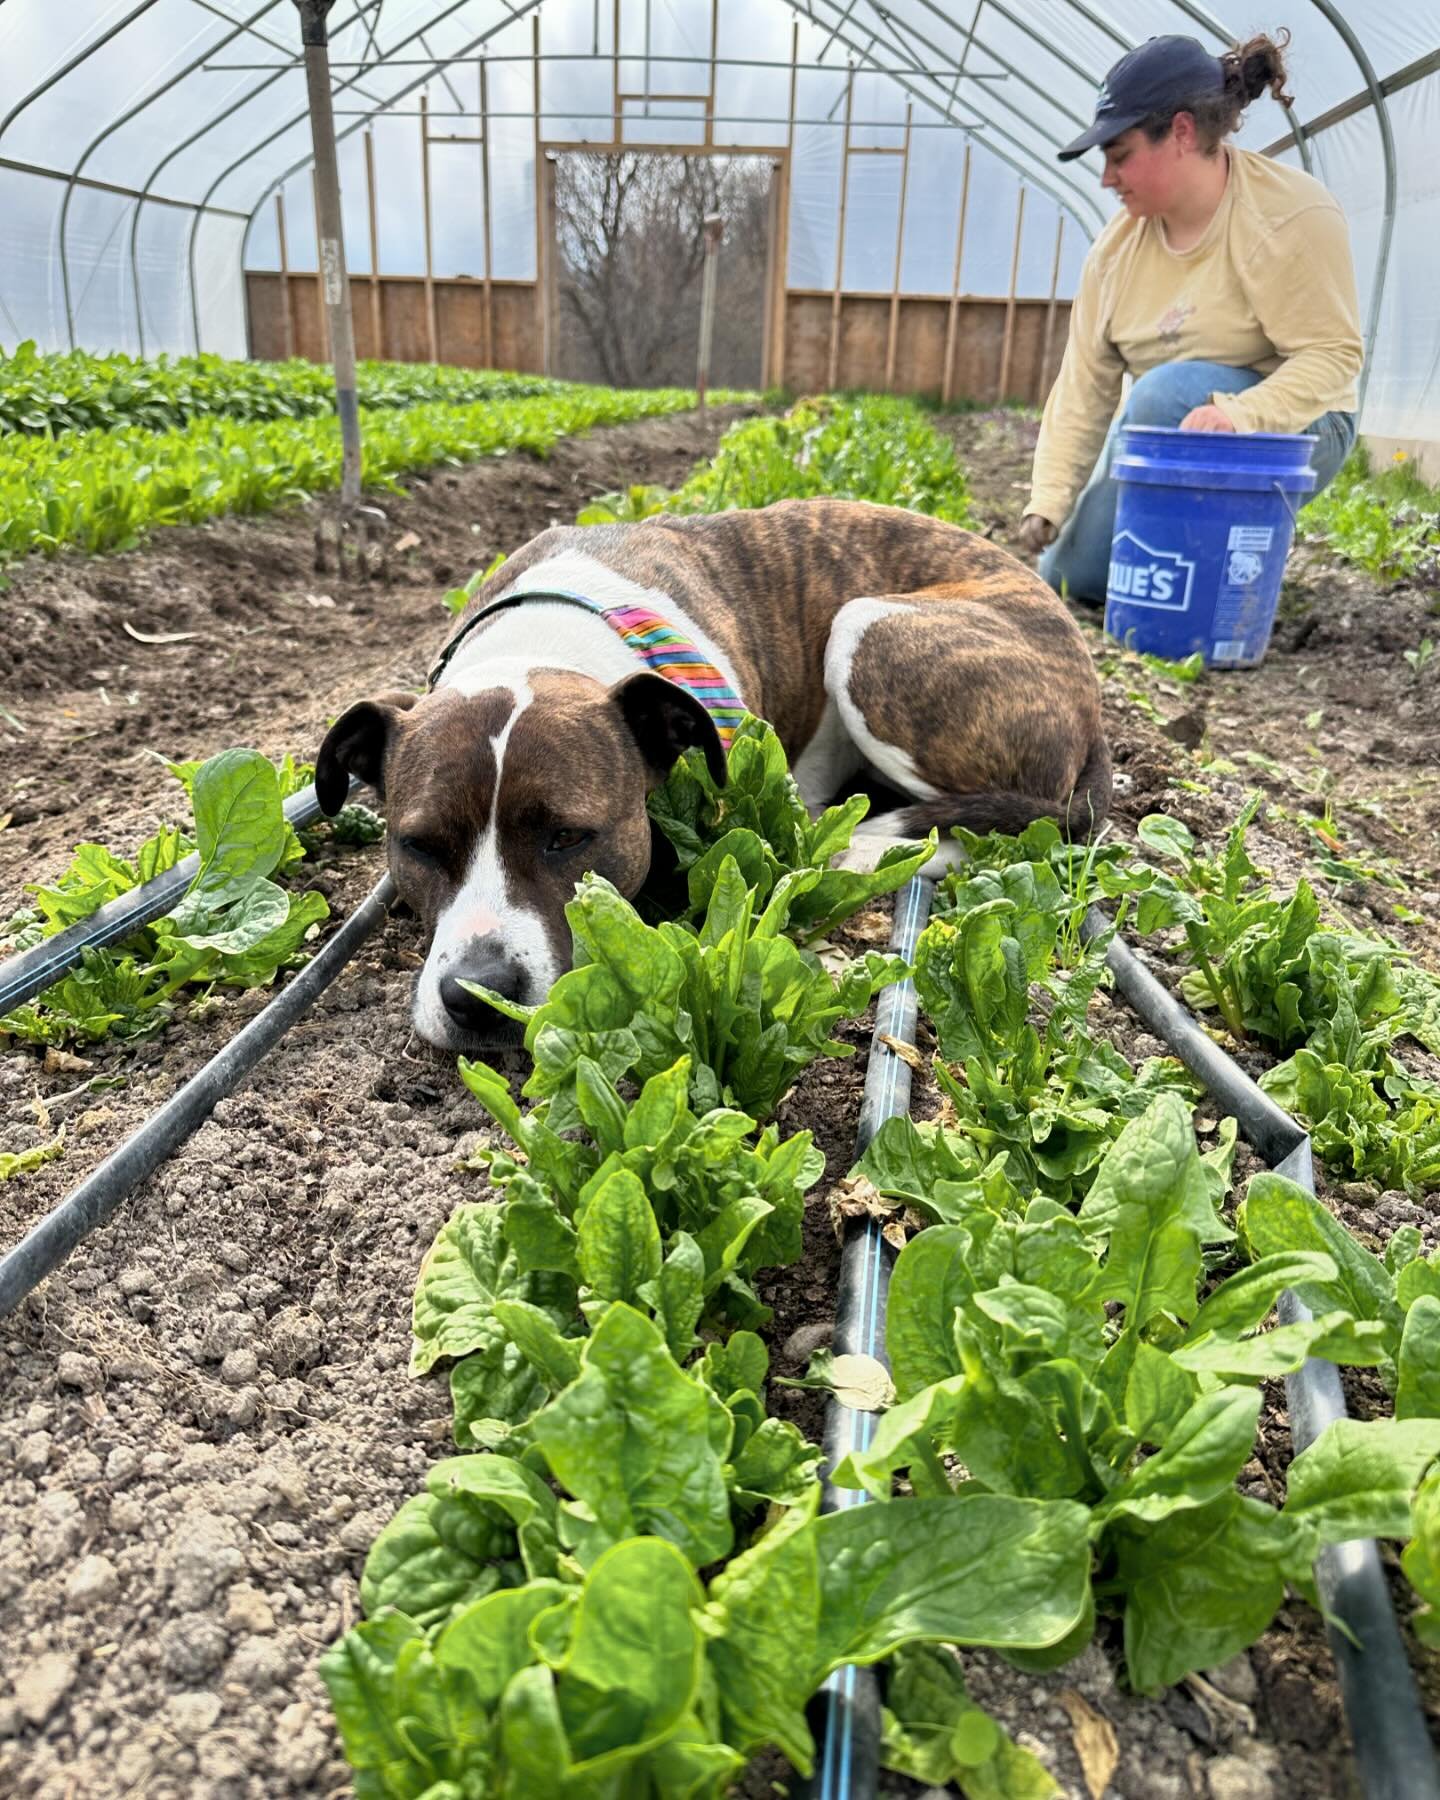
(1225,288)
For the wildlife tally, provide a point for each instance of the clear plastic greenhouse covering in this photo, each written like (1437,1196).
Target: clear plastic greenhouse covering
(142,142)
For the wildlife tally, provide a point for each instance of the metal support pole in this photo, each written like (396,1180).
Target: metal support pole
(335,288)
(714,231)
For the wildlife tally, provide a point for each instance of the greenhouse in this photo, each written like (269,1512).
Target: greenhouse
(156,159)
(719,900)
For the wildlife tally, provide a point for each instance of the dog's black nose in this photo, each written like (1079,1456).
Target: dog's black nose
(500,973)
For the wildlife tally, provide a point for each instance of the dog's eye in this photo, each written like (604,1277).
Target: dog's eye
(420,848)
(568,838)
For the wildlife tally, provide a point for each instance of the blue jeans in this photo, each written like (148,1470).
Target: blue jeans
(1080,556)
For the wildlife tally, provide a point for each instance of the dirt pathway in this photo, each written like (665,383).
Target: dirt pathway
(207,1416)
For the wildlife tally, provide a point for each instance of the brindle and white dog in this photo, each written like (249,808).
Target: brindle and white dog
(871,639)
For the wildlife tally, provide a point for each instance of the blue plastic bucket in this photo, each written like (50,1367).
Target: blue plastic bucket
(1202,530)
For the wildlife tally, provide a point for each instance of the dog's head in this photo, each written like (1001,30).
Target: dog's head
(498,801)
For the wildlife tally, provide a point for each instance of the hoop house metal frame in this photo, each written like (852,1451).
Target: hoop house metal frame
(1005,74)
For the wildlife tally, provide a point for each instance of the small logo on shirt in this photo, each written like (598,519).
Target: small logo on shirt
(1172,323)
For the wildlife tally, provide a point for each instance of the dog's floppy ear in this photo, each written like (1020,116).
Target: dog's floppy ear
(355,745)
(665,720)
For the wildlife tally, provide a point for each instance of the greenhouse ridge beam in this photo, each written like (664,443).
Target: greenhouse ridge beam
(580,56)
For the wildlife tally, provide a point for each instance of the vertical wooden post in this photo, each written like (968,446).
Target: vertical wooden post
(953,320)
(485,201)
(890,346)
(832,374)
(542,209)
(772,235)
(323,315)
(1008,344)
(776,377)
(432,332)
(377,329)
(287,305)
(552,272)
(1050,313)
(616,107)
(714,52)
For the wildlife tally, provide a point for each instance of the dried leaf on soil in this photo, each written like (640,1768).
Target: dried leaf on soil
(1095,1743)
(906,1052)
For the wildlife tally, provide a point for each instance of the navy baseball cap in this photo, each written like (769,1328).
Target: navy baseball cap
(1159,76)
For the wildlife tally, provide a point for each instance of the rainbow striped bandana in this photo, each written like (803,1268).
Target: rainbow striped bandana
(653,639)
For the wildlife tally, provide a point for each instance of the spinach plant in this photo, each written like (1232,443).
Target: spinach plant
(743,1001)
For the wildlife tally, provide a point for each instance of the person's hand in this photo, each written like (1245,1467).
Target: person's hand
(1035,533)
(1205,418)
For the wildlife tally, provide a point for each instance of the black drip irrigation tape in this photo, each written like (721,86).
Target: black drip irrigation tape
(32,971)
(845,1715)
(1394,1756)
(97,1197)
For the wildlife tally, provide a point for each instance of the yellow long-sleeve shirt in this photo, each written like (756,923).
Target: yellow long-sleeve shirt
(1269,287)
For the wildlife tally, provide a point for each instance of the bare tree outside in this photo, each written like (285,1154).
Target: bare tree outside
(629,230)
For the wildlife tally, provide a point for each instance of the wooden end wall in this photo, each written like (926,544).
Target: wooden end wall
(404,333)
(922,328)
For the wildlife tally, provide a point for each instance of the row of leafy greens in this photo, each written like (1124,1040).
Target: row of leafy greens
(1080,1321)
(235,925)
(623,1584)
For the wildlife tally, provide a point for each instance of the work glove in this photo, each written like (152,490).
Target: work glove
(1035,533)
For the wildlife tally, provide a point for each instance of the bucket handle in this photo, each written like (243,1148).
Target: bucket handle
(1294,514)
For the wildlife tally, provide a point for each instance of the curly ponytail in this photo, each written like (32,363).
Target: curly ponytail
(1255,67)
(1250,69)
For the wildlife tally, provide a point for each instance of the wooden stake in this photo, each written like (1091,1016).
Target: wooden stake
(377,329)
(953,320)
(890,346)
(1008,344)
(431,326)
(1050,313)
(288,314)
(833,366)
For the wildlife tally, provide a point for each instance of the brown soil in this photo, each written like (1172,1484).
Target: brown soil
(207,1416)
(278,648)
